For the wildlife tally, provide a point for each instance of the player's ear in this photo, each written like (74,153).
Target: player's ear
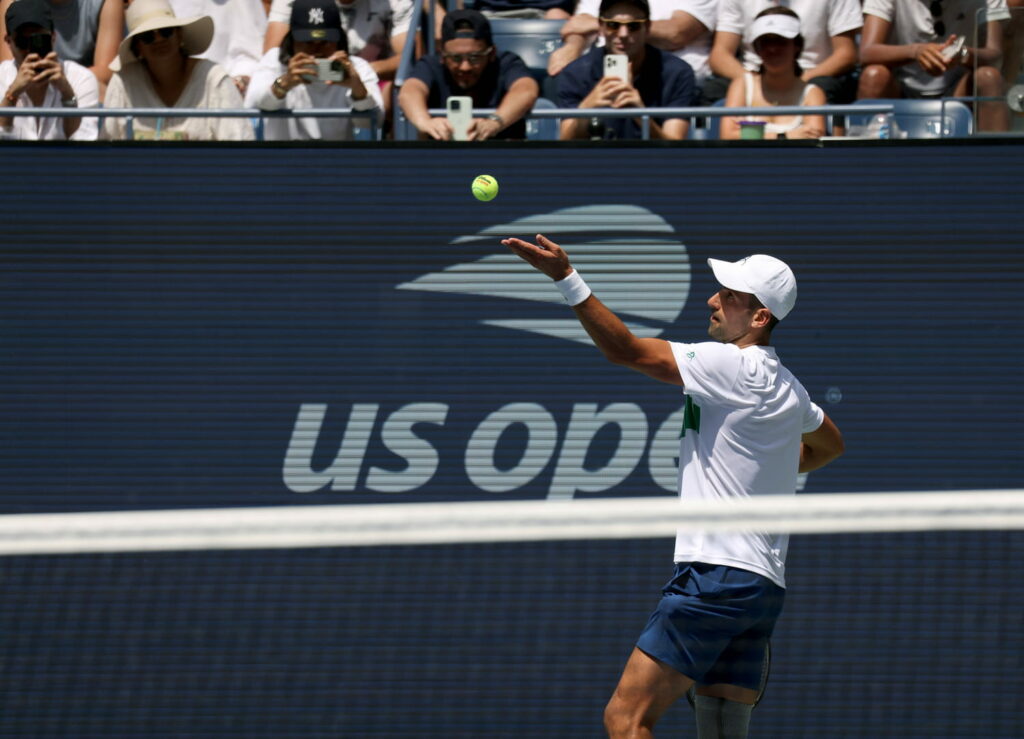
(761,319)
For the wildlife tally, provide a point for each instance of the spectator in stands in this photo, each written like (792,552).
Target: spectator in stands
(903,53)
(38,78)
(287,77)
(470,65)
(239,27)
(658,79)
(376,30)
(777,40)
(548,9)
(829,58)
(1013,42)
(683,27)
(88,32)
(156,68)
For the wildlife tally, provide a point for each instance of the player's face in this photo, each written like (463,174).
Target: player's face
(624,28)
(732,314)
(466,59)
(776,51)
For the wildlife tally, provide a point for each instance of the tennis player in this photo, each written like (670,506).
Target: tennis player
(749,428)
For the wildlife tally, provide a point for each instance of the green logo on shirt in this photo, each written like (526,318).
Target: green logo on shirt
(691,417)
(691,355)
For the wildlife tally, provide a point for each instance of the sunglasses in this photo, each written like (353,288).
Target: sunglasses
(476,58)
(631,26)
(150,36)
(936,10)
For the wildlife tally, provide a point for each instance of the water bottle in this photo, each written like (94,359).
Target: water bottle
(882,123)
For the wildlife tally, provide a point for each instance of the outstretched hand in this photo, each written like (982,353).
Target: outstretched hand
(545,255)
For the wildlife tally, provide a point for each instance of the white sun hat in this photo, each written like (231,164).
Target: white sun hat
(152,15)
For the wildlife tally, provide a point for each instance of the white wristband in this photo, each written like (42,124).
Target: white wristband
(573,288)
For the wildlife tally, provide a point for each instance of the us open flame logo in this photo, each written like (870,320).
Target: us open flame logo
(627,254)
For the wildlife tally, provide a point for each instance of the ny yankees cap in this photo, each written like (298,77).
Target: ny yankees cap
(316,20)
(768,279)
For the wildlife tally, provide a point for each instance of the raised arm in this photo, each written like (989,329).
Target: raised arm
(821,446)
(652,357)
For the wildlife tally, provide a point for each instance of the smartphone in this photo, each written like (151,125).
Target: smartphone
(616,65)
(954,48)
(460,115)
(329,70)
(40,43)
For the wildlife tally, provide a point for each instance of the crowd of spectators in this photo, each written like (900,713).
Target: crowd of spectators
(344,55)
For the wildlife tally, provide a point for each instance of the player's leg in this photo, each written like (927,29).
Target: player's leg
(723,711)
(645,691)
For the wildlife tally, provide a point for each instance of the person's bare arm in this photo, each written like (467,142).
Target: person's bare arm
(413,99)
(729,126)
(842,59)
(108,38)
(516,103)
(991,54)
(276,31)
(874,49)
(572,48)
(5,50)
(675,32)
(652,357)
(723,59)
(386,69)
(821,446)
(812,126)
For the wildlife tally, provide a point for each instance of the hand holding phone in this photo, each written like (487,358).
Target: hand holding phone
(617,65)
(460,116)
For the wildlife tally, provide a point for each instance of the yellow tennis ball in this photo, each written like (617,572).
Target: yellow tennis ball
(485,188)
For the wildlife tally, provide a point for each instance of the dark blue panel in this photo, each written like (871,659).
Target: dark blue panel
(162,331)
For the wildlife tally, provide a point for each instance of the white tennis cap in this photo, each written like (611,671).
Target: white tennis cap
(768,279)
(775,24)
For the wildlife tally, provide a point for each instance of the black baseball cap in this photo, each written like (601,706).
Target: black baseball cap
(641,5)
(314,20)
(28,13)
(466,24)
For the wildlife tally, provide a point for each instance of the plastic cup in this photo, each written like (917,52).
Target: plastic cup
(752,130)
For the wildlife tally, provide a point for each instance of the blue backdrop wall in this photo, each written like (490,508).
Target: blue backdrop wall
(219,327)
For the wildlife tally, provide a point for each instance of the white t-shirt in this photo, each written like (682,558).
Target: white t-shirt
(741,437)
(209,86)
(820,20)
(695,53)
(369,24)
(305,97)
(239,27)
(48,128)
(912,24)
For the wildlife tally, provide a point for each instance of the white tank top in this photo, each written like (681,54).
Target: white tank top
(775,128)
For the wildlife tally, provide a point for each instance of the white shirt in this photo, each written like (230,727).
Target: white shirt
(820,20)
(238,30)
(51,128)
(912,24)
(304,97)
(209,86)
(695,53)
(741,437)
(369,24)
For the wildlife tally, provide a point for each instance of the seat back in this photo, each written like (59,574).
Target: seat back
(923,119)
(533,39)
(542,129)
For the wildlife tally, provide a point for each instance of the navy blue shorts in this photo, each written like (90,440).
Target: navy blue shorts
(713,623)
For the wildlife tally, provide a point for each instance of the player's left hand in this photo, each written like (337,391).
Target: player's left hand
(545,255)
